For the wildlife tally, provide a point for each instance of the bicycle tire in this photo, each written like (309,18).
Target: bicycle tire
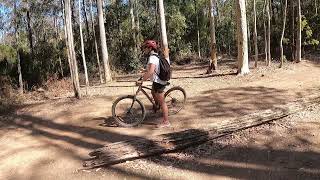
(171,102)
(123,122)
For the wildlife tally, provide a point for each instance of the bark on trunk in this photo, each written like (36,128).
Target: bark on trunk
(283,30)
(17,50)
(82,50)
(293,51)
(95,42)
(133,28)
(104,49)
(72,54)
(255,35)
(66,35)
(265,33)
(163,30)
(30,30)
(269,33)
(86,18)
(198,31)
(298,46)
(243,63)
(213,66)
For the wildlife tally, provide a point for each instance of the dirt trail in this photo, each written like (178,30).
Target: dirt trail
(49,140)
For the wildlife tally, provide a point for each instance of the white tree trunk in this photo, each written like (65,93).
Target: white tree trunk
(265,33)
(298,46)
(104,49)
(17,50)
(95,41)
(283,30)
(72,54)
(66,35)
(255,35)
(249,38)
(82,50)
(243,63)
(198,30)
(163,30)
(269,33)
(316,6)
(137,23)
(293,49)
(133,28)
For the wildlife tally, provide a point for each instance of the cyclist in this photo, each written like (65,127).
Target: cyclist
(150,49)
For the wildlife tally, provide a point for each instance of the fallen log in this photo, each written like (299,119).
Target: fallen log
(119,152)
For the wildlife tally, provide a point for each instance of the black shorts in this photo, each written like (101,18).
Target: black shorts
(158,88)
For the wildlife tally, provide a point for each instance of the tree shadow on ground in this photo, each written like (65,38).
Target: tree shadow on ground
(251,163)
(291,164)
(206,75)
(213,103)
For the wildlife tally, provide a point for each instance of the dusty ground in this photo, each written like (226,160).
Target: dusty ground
(49,139)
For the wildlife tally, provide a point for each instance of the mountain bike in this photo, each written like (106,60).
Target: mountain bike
(129,111)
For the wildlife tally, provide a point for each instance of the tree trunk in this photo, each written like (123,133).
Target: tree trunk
(213,66)
(293,31)
(86,18)
(95,42)
(269,33)
(58,38)
(265,32)
(133,28)
(243,64)
(157,28)
(29,30)
(163,30)
(66,35)
(137,24)
(249,38)
(298,46)
(198,30)
(283,30)
(82,50)
(17,50)
(218,12)
(103,39)
(316,6)
(72,54)
(255,35)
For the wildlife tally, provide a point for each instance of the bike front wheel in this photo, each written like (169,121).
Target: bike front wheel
(175,99)
(128,111)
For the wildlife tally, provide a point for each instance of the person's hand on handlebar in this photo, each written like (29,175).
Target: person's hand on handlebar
(139,82)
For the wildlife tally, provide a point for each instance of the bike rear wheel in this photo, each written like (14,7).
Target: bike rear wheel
(175,99)
(128,111)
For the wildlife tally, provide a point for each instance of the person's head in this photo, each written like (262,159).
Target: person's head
(148,46)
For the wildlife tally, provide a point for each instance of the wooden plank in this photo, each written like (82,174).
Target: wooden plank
(114,153)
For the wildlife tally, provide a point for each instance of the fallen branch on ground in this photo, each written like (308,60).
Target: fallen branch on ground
(119,152)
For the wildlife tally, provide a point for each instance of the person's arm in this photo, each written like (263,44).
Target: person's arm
(149,72)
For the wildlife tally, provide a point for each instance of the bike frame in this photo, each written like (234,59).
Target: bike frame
(142,89)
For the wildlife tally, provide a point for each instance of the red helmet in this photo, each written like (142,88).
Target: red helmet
(150,44)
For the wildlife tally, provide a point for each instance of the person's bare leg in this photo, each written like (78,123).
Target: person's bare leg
(156,102)
(164,108)
(154,97)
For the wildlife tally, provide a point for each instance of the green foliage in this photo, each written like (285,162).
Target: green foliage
(183,20)
(7,53)
(7,59)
